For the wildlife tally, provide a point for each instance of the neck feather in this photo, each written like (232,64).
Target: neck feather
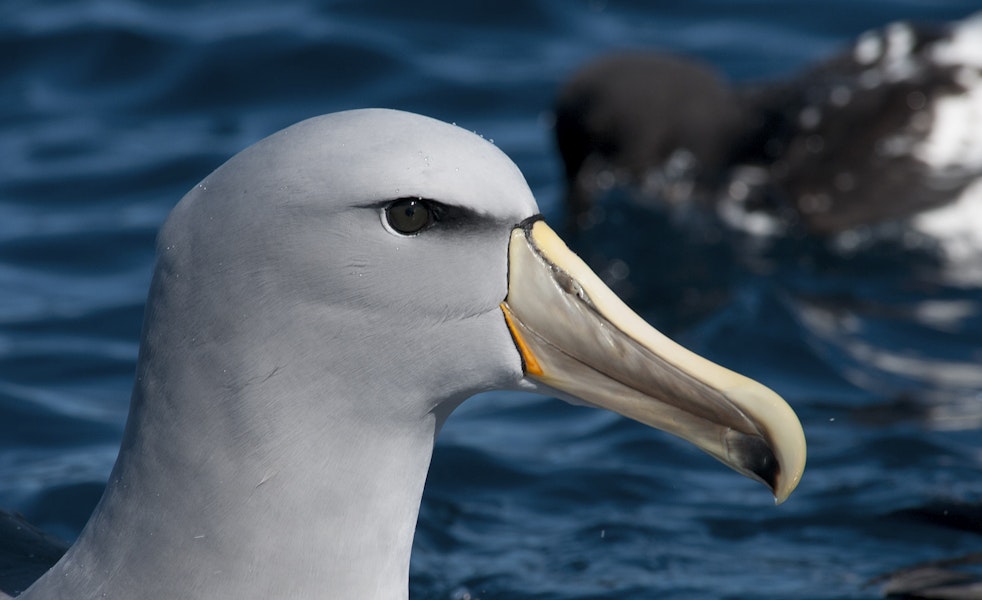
(249,495)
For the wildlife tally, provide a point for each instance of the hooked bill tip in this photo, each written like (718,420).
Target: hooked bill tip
(754,455)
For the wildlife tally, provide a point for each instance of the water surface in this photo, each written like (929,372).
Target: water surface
(112,109)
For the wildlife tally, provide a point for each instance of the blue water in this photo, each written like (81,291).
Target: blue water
(111,109)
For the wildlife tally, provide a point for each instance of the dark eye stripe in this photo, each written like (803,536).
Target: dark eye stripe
(412,215)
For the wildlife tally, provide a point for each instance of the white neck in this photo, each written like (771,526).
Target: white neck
(261,524)
(253,476)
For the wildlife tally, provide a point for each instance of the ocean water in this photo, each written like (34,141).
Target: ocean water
(112,109)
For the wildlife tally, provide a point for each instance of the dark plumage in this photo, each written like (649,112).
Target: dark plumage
(855,140)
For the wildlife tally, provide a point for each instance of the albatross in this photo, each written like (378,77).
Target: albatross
(887,130)
(319,306)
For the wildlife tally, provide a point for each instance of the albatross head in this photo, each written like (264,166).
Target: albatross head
(320,304)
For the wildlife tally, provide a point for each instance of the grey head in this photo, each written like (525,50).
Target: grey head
(285,313)
(320,304)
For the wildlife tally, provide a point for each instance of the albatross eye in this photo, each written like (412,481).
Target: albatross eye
(409,215)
